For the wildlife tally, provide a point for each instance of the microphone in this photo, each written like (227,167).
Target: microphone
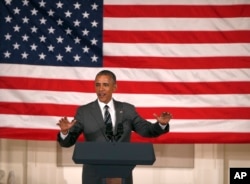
(109,132)
(119,132)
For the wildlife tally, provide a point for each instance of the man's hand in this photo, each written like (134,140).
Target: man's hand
(65,125)
(164,118)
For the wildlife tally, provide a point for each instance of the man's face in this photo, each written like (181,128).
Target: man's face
(104,87)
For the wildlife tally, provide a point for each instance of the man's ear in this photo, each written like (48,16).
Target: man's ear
(115,87)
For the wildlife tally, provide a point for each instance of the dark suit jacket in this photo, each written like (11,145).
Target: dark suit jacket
(90,122)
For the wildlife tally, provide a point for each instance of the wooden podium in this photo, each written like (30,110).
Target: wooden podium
(114,159)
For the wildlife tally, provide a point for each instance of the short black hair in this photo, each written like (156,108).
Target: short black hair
(109,73)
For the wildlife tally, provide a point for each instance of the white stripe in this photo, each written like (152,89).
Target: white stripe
(210,125)
(126,74)
(139,100)
(176,50)
(176,2)
(176,24)
(49,122)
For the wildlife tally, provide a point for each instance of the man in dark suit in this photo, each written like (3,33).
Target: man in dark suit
(91,120)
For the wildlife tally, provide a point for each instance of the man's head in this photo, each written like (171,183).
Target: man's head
(105,85)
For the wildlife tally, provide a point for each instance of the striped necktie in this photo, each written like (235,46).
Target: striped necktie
(107,117)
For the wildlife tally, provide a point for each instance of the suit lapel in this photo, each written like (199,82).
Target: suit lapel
(97,114)
(118,113)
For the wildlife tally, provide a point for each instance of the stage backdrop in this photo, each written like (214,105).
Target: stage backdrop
(191,58)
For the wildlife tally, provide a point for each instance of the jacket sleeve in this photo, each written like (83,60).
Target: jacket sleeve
(72,136)
(142,126)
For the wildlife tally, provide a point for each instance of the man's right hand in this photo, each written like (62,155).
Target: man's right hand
(65,125)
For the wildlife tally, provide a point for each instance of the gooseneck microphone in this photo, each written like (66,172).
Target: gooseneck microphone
(119,132)
(109,132)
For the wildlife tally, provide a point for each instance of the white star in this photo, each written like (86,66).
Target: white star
(42,38)
(7,36)
(68,48)
(77,23)
(34,11)
(42,56)
(24,55)
(59,57)
(51,48)
(7,54)
(51,13)
(85,49)
(25,2)
(25,37)
(94,58)
(77,40)
(8,2)
(51,30)
(59,22)
(16,10)
(68,13)
(8,19)
(94,6)
(85,32)
(93,41)
(16,28)
(33,46)
(25,20)
(77,57)
(77,5)
(42,3)
(85,15)
(34,29)
(59,39)
(94,23)
(68,31)
(16,46)
(43,21)
(59,4)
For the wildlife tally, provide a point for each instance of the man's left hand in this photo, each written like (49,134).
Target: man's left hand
(164,118)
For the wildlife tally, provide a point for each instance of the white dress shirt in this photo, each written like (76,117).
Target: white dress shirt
(111,110)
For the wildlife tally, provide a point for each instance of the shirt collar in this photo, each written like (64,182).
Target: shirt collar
(110,104)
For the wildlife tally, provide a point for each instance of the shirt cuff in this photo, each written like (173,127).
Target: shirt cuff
(63,136)
(163,126)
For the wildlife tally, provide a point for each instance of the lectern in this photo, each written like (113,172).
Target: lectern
(114,159)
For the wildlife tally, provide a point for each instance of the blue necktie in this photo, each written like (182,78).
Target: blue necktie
(107,117)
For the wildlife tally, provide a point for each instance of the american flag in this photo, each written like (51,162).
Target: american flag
(191,58)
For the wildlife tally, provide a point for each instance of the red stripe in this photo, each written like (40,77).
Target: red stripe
(45,134)
(176,36)
(177,62)
(127,86)
(193,137)
(147,113)
(198,11)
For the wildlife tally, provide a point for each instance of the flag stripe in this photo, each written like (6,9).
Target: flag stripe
(179,125)
(127,74)
(177,62)
(221,137)
(194,11)
(176,36)
(139,100)
(179,113)
(127,86)
(176,2)
(176,50)
(176,24)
